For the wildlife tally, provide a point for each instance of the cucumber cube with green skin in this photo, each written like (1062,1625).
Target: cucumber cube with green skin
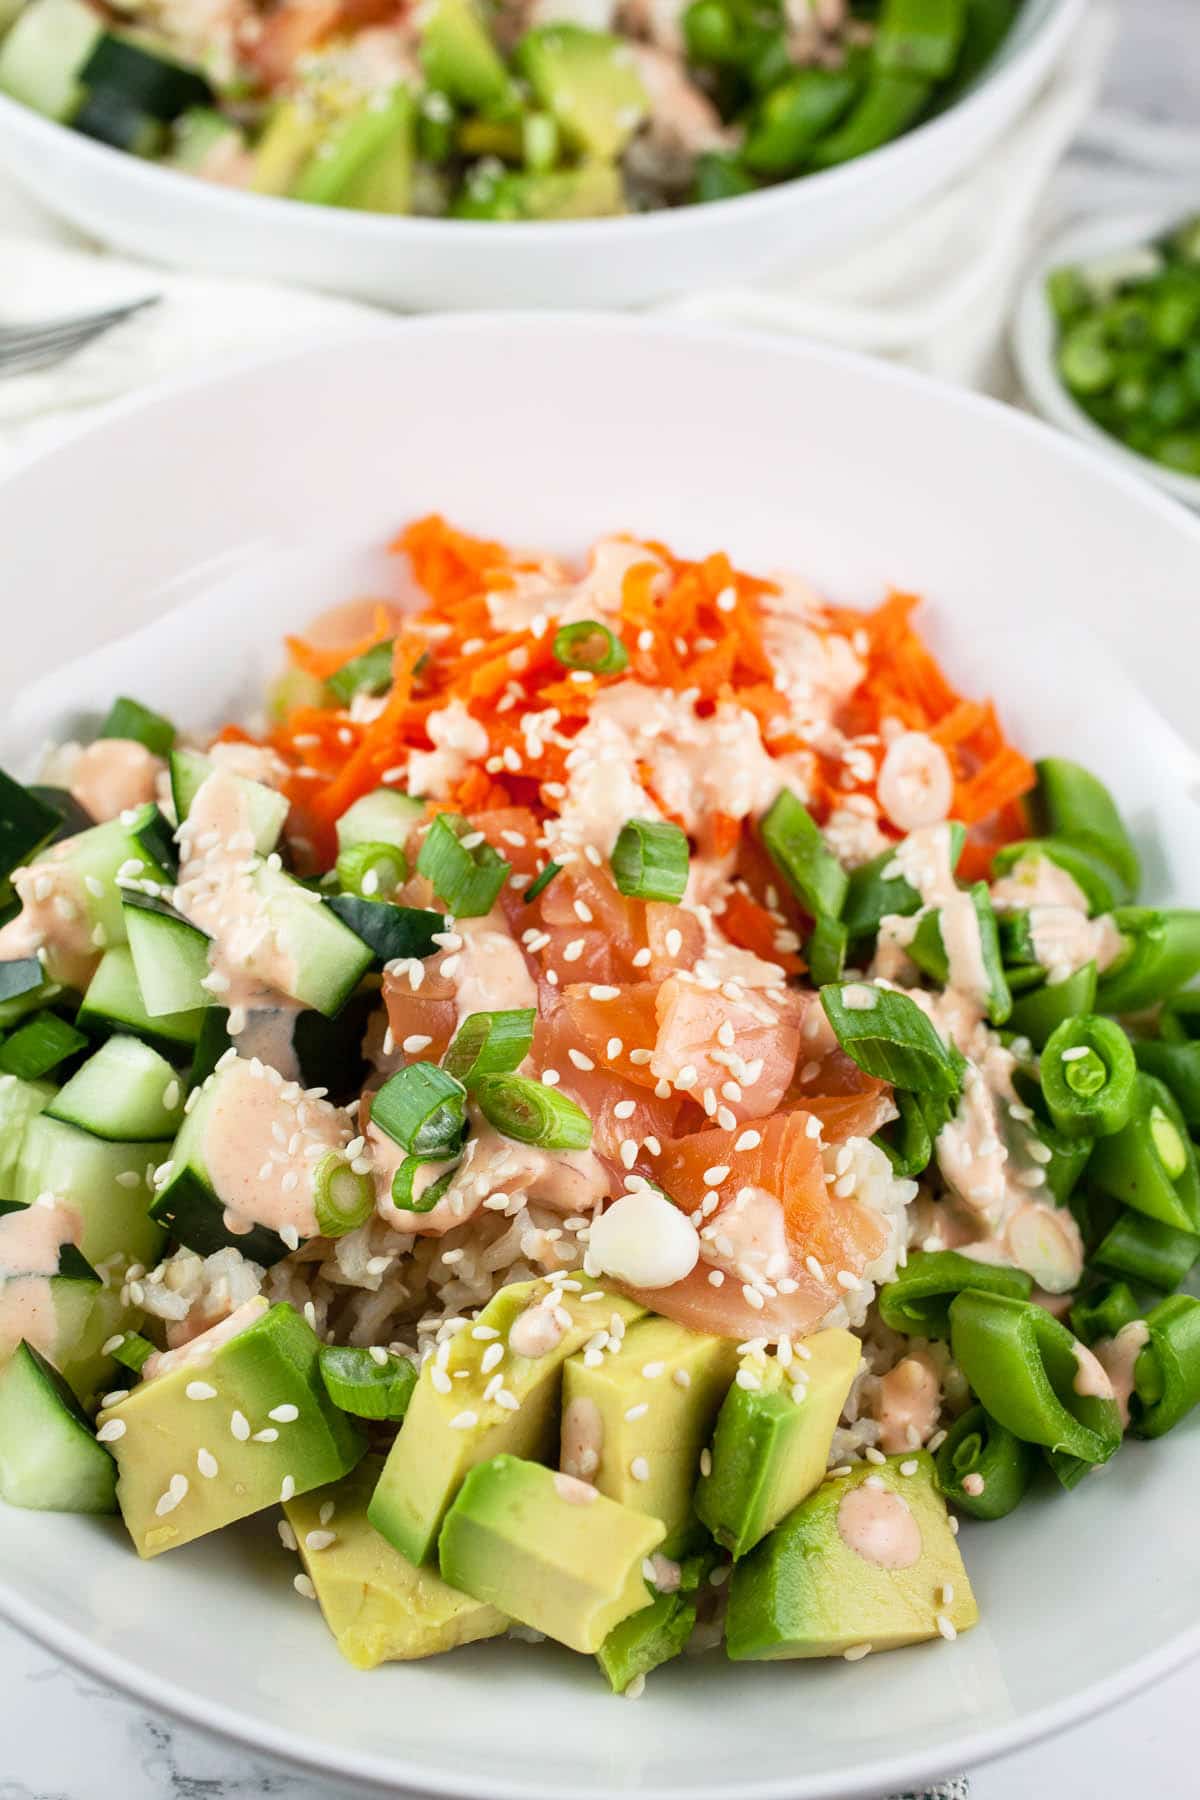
(635,1423)
(114,1002)
(55,1309)
(107,1184)
(450,1426)
(769,1452)
(138,845)
(235,1422)
(460,59)
(588,81)
(44,52)
(126,1092)
(265,809)
(20,1103)
(379,1606)
(551,1551)
(380,817)
(868,1559)
(170,956)
(322,959)
(50,1460)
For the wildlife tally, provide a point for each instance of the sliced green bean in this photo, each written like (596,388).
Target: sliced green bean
(982,1467)
(928,951)
(1102,1312)
(1040,1012)
(1089,1077)
(1177,1066)
(1161,954)
(1150,1164)
(1167,1373)
(1146,1252)
(1071,803)
(917,1301)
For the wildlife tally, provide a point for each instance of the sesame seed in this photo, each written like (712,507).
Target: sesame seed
(856,1652)
(945,1627)
(580,1060)
(319,1540)
(639,1468)
(207,1463)
(412,1046)
(909,1467)
(652,1370)
(239,1425)
(706,1462)
(284,1415)
(268,1435)
(749,1140)
(464,1421)
(176,1492)
(200,1390)
(601,992)
(873,1455)
(304,1586)
(636,1688)
(287,1488)
(109,1433)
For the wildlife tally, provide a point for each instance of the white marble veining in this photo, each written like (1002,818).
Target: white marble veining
(64,1737)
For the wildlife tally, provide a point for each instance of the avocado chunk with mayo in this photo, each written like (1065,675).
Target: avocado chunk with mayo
(233,1422)
(659,1632)
(547,1549)
(771,1445)
(867,1561)
(588,81)
(494,1387)
(379,1606)
(635,1423)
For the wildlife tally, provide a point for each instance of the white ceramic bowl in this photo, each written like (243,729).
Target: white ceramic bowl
(438,263)
(1035,332)
(259,497)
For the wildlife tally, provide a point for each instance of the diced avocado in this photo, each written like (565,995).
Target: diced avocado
(379,1606)
(200,138)
(589,82)
(634,1424)
(386,183)
(292,133)
(548,1550)
(349,148)
(459,57)
(771,1448)
(234,1424)
(868,1559)
(450,1426)
(593,191)
(647,1639)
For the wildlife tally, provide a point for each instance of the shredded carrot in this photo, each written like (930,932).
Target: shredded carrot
(324,660)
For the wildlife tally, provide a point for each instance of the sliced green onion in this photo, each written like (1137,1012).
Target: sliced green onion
(979,1446)
(1103,1312)
(1167,1373)
(794,843)
(39,1046)
(591,646)
(370,673)
(877,888)
(342,1200)
(423,1109)
(650,860)
(130,719)
(825,951)
(1089,1077)
(372,871)
(404,1185)
(889,1036)
(466,876)
(132,1351)
(533,1113)
(917,1301)
(907,1141)
(541,882)
(368,1384)
(490,1043)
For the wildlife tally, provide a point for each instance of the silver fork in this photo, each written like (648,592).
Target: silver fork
(27,347)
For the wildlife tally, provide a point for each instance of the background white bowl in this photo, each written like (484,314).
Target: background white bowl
(259,497)
(1034,332)
(154,212)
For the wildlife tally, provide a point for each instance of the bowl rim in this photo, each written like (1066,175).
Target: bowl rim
(1045,41)
(883,1773)
(1032,330)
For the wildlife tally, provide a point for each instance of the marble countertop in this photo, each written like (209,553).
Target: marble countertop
(67,1738)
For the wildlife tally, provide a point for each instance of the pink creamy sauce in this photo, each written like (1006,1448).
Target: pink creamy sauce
(30,1242)
(489,972)
(112,775)
(1118,1358)
(263,1141)
(250,968)
(459,740)
(582,1436)
(538,1330)
(1091,1377)
(1064,938)
(568,1181)
(53,920)
(924,861)
(200,1351)
(574,1491)
(749,1234)
(908,1403)
(268,1035)
(878,1526)
(549,592)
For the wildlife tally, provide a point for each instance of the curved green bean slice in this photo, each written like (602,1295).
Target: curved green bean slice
(889,105)
(982,1468)
(917,1301)
(793,115)
(1150,1164)
(1161,955)
(878,889)
(1037,1014)
(1102,1312)
(1177,1066)
(919,37)
(1167,1373)
(1070,802)
(1022,858)
(1149,1253)
(1179,1018)
(1089,1077)
(1025,1369)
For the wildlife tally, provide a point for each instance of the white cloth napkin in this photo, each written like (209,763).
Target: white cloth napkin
(933,290)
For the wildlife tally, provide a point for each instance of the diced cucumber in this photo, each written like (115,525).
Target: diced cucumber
(50,1460)
(267,810)
(26,824)
(138,846)
(23,988)
(114,1002)
(126,1092)
(44,53)
(146,78)
(391,931)
(73,1290)
(136,723)
(109,1185)
(170,955)
(199,135)
(111,120)
(191,1208)
(380,817)
(20,1102)
(324,958)
(72,818)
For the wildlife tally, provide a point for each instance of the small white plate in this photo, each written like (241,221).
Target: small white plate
(1035,332)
